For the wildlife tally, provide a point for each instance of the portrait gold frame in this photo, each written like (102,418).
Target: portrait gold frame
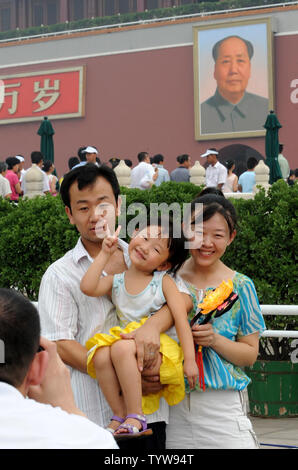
(197,86)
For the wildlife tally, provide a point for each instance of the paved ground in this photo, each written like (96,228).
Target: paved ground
(277,432)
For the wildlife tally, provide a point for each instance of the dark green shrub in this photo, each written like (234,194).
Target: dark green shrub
(265,249)
(34,233)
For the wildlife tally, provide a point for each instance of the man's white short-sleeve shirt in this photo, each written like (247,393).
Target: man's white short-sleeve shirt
(26,424)
(216,174)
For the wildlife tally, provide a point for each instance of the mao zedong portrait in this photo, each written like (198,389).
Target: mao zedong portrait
(232,108)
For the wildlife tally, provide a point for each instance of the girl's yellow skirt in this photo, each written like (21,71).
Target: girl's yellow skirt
(171,369)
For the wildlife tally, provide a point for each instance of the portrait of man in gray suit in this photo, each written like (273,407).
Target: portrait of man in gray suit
(232,108)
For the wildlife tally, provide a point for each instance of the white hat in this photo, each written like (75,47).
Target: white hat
(90,150)
(20,158)
(209,152)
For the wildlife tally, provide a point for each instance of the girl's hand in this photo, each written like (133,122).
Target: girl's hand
(191,371)
(110,242)
(203,335)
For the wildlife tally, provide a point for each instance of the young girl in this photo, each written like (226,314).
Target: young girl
(137,293)
(216,417)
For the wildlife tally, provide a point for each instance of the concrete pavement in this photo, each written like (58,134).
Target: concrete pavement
(276,433)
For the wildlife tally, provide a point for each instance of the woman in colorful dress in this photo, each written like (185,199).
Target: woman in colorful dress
(216,417)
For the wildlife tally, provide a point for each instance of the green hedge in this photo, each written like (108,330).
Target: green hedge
(192,8)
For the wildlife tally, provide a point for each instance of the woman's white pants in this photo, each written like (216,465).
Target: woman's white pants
(214,419)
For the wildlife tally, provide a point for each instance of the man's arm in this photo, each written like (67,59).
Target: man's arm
(222,178)
(73,354)
(46,183)
(239,184)
(148,179)
(18,188)
(55,388)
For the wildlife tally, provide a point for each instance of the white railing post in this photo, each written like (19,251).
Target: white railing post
(123,173)
(197,174)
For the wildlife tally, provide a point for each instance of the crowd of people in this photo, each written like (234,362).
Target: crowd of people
(149,351)
(41,178)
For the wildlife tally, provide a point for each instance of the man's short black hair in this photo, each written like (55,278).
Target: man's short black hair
(128,162)
(86,175)
(3,167)
(182,158)
(73,161)
(251,163)
(19,335)
(81,154)
(142,156)
(249,46)
(158,158)
(36,157)
(11,162)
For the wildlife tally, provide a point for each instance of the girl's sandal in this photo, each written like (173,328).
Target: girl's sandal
(133,431)
(115,418)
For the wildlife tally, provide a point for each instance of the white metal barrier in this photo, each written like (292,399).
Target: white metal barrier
(286,310)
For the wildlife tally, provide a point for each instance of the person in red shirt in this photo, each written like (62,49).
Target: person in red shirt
(12,176)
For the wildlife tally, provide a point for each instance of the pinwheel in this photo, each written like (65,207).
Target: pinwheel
(216,302)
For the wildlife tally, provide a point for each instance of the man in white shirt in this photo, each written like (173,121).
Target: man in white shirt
(5,189)
(69,317)
(283,163)
(37,408)
(144,174)
(35,182)
(163,174)
(216,173)
(91,154)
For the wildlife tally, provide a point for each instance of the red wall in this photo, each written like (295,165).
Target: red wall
(144,101)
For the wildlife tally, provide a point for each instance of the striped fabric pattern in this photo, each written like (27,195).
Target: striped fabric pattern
(244,318)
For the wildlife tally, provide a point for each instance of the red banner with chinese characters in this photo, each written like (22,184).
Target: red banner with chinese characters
(58,94)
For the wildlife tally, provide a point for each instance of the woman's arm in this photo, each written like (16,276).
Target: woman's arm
(53,184)
(235,184)
(242,352)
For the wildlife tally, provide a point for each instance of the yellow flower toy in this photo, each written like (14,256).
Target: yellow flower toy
(216,297)
(216,303)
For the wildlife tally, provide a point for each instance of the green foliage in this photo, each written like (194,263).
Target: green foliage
(37,232)
(173,194)
(266,244)
(188,9)
(265,249)
(34,233)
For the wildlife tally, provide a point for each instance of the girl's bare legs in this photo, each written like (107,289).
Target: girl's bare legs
(109,383)
(123,355)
